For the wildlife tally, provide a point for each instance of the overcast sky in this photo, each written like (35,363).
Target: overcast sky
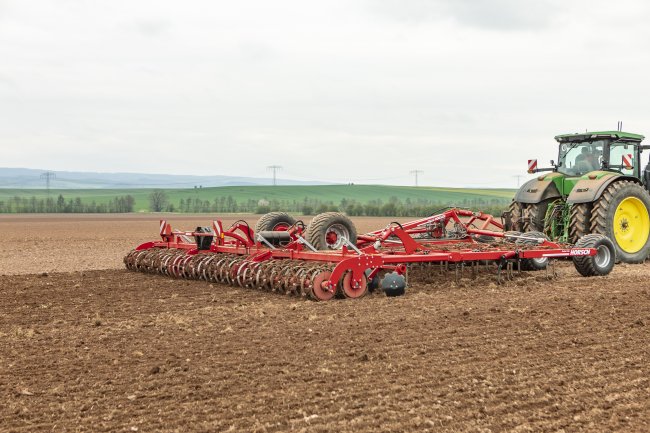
(361,91)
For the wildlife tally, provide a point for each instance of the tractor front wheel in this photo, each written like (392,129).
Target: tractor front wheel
(622,213)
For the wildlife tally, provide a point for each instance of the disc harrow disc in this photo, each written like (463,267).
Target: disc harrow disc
(287,276)
(319,290)
(351,289)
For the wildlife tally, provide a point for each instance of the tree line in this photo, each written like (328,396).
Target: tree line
(393,206)
(159,201)
(16,204)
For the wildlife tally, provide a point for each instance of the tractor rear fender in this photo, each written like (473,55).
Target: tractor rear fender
(536,190)
(588,190)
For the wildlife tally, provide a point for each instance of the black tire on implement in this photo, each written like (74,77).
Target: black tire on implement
(274,221)
(580,222)
(325,230)
(484,239)
(600,264)
(511,236)
(532,264)
(604,211)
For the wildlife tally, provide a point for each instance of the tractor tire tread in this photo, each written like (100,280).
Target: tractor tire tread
(600,216)
(516,211)
(535,216)
(580,221)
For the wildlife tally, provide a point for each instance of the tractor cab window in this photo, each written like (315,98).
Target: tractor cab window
(622,158)
(579,158)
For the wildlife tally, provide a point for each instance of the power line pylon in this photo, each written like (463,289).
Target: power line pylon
(416,172)
(48,176)
(274,168)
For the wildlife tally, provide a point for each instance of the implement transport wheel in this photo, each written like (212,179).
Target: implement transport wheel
(580,222)
(621,214)
(532,238)
(600,264)
(274,221)
(326,230)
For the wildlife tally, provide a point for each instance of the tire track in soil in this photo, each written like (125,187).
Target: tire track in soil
(111,350)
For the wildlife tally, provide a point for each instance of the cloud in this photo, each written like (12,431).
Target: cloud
(3,9)
(7,81)
(152,28)
(484,14)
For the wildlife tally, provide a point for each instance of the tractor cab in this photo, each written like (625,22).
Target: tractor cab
(612,151)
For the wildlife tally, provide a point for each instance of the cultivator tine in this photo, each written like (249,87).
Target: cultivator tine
(551,272)
(499,271)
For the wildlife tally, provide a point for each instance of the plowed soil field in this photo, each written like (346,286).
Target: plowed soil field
(87,346)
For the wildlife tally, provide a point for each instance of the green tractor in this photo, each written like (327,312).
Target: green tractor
(596,186)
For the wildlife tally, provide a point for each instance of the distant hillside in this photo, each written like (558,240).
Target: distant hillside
(27,178)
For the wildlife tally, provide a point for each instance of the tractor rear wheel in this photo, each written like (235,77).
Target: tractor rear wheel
(274,221)
(622,213)
(515,215)
(327,230)
(580,222)
(534,216)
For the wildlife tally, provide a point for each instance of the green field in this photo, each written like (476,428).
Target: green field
(331,194)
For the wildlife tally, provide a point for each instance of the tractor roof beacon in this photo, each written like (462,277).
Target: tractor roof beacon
(596,186)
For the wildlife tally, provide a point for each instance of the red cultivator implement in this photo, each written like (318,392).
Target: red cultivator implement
(328,258)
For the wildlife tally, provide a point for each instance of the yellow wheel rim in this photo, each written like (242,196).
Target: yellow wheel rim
(631,225)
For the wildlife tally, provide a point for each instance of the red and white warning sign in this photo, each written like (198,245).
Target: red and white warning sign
(627,161)
(532,165)
(165,229)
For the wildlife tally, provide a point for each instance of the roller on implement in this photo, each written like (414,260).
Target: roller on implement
(328,258)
